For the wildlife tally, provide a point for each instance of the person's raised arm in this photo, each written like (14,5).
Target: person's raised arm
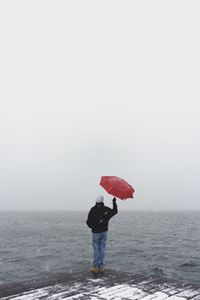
(114,210)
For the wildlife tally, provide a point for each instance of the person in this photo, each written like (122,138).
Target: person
(97,220)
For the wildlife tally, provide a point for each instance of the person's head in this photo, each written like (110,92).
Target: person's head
(99,199)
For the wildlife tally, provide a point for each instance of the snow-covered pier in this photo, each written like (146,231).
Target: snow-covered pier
(112,285)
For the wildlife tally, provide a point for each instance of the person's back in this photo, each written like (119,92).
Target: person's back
(98,219)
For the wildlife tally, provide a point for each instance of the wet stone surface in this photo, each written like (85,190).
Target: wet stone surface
(112,285)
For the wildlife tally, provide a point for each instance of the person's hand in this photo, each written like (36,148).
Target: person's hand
(114,199)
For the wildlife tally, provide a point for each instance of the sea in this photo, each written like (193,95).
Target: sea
(34,244)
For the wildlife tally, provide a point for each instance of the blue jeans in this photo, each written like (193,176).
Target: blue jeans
(99,245)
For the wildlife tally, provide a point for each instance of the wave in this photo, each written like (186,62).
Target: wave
(189,264)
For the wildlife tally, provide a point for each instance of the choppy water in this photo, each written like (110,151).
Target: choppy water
(34,244)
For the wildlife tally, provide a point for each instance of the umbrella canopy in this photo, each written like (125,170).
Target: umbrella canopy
(117,187)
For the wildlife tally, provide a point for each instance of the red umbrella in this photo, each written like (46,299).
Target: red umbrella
(117,187)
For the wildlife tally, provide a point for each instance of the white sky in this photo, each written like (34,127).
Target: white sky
(91,88)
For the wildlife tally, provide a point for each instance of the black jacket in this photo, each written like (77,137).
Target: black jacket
(100,215)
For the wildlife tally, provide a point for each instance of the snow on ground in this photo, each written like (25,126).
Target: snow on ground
(117,292)
(111,287)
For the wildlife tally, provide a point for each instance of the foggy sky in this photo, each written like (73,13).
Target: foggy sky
(92,88)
